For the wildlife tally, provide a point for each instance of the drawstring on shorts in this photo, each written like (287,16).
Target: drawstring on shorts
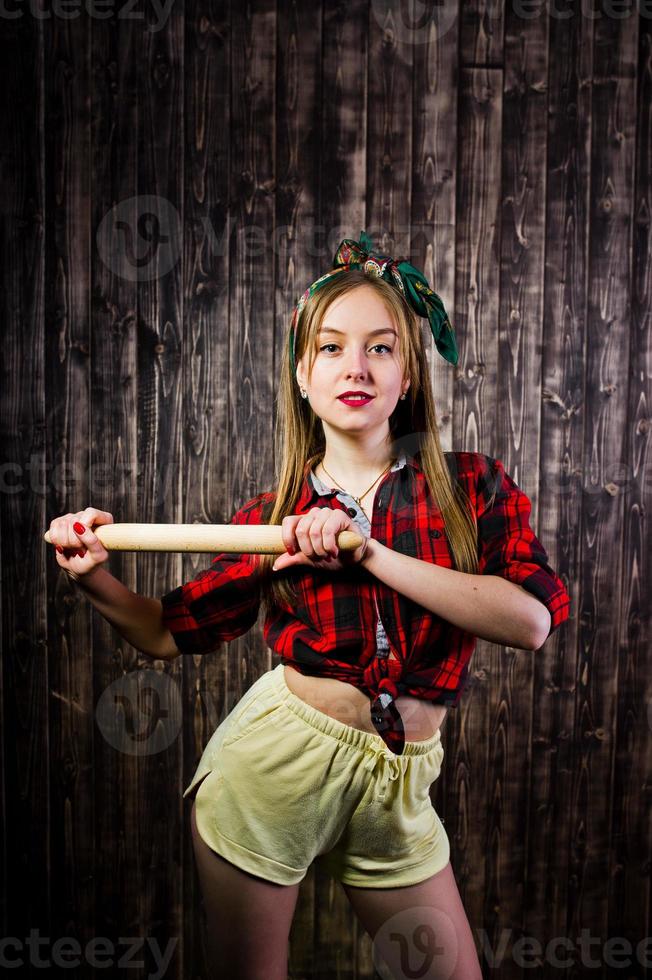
(391,767)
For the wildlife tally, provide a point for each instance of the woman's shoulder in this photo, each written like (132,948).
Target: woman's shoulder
(467,466)
(256,510)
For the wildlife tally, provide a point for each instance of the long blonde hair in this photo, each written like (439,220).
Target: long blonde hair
(299,435)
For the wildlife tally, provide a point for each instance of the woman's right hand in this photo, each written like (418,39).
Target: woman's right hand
(79,551)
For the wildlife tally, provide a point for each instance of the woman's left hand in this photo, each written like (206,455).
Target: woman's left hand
(310,539)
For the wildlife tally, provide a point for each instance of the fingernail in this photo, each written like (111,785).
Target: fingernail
(81,552)
(60,550)
(274,568)
(78,528)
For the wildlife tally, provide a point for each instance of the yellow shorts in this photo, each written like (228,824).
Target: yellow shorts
(281,784)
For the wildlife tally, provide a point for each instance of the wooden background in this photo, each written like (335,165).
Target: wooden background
(510,157)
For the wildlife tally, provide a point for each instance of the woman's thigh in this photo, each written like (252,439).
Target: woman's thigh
(419,930)
(248,919)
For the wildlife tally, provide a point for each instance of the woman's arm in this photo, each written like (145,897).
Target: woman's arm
(488,606)
(137,618)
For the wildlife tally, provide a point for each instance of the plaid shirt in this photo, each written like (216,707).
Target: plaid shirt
(331,629)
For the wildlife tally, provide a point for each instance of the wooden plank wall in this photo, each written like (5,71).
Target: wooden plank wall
(509,152)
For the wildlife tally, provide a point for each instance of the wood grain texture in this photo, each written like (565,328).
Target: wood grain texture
(434,186)
(27,778)
(551,792)
(519,331)
(68,390)
(161,185)
(114,52)
(630,857)
(477,276)
(601,571)
(167,195)
(629,897)
(482,27)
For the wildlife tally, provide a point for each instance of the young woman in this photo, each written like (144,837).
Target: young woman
(330,756)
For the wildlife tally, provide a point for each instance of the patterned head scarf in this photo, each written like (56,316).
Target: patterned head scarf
(411,283)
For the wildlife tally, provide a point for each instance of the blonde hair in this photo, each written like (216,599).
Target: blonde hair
(299,436)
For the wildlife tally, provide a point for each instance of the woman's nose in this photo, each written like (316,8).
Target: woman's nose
(356,364)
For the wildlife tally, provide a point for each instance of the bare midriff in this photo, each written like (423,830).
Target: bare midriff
(348,704)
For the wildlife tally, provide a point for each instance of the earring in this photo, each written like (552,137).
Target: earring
(404,396)
(304,393)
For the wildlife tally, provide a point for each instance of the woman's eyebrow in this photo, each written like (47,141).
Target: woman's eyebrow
(372,333)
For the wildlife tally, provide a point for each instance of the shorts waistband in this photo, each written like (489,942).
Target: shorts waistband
(333,726)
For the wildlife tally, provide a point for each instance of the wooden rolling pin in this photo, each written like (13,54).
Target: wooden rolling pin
(236,538)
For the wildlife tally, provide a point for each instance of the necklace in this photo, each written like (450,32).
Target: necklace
(357,499)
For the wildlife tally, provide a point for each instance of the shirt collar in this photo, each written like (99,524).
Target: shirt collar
(313,488)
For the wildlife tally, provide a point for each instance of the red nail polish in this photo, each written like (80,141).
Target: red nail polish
(78,528)
(81,552)
(60,550)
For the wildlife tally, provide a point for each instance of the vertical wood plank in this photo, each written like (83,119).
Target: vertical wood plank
(200,408)
(519,330)
(160,334)
(560,502)
(468,727)
(343,172)
(160,320)
(434,185)
(630,907)
(601,572)
(69,392)
(24,752)
(389,129)
(482,25)
(115,50)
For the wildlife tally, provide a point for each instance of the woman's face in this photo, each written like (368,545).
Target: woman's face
(357,350)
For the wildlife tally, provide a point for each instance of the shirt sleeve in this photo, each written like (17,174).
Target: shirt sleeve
(508,546)
(221,602)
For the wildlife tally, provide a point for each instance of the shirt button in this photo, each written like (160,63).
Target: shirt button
(435,533)
(351,511)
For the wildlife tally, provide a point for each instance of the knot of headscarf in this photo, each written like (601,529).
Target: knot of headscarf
(401,274)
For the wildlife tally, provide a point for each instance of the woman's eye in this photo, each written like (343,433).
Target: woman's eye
(326,346)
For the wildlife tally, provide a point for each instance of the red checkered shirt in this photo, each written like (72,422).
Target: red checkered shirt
(331,629)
